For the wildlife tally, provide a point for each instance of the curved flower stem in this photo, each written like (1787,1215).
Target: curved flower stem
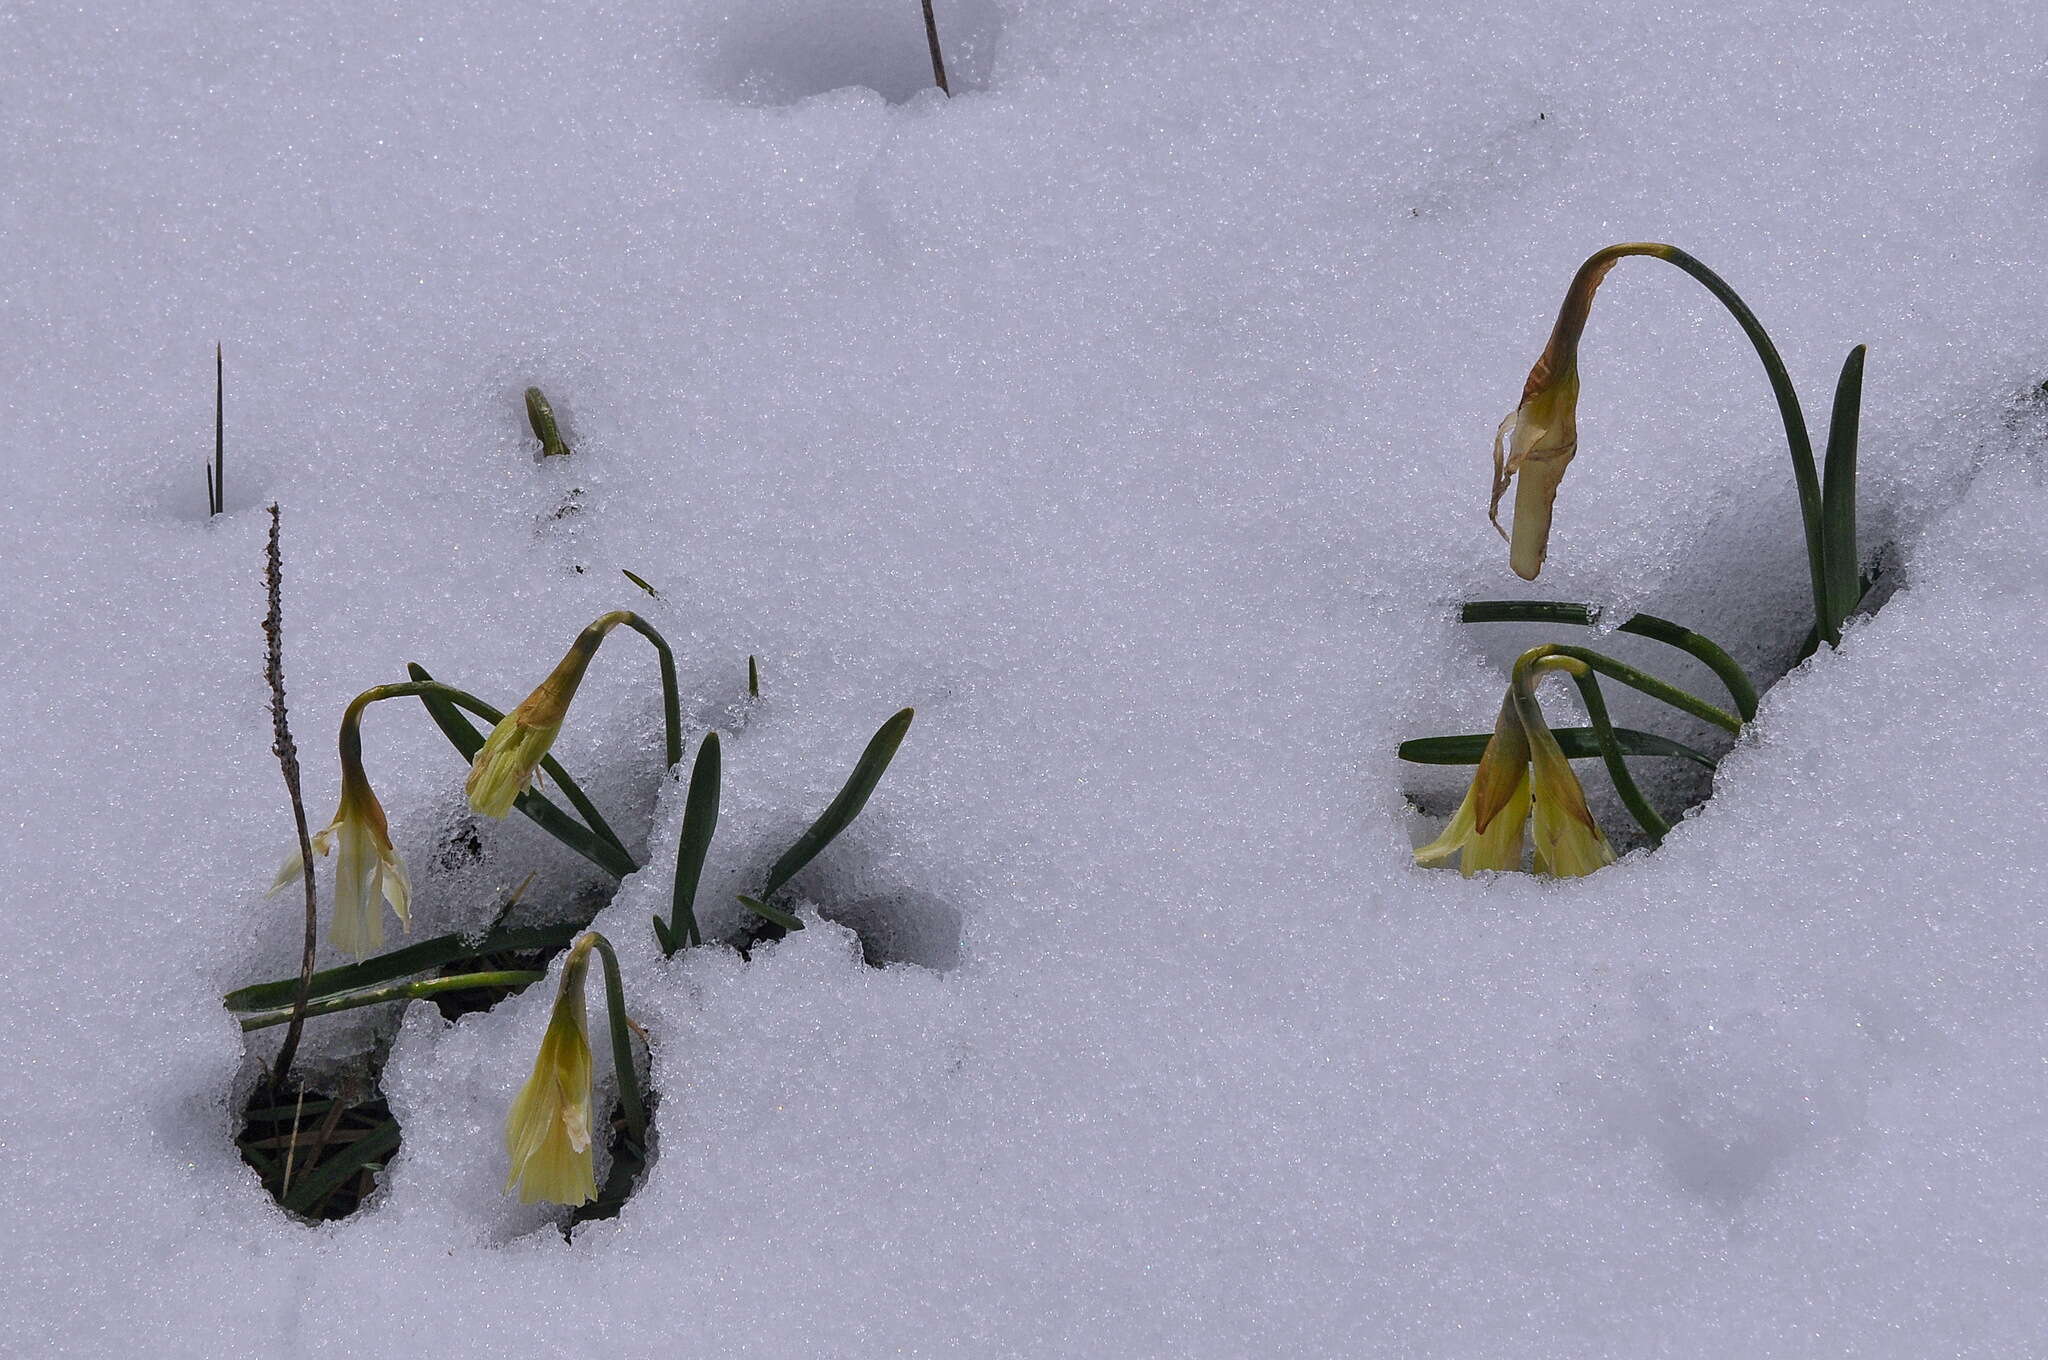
(1804,474)
(1682,700)
(671,698)
(1741,689)
(399,991)
(1638,806)
(630,1103)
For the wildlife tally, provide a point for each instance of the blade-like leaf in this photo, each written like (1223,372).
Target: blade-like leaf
(867,772)
(333,1173)
(700,819)
(1579,743)
(1696,645)
(772,915)
(399,963)
(1838,492)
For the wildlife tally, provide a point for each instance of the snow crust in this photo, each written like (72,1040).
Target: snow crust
(1126,414)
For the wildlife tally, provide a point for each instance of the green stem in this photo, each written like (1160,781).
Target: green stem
(1741,690)
(630,1103)
(1682,700)
(1797,440)
(1610,751)
(600,845)
(402,991)
(671,695)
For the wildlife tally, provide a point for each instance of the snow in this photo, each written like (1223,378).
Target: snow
(1126,414)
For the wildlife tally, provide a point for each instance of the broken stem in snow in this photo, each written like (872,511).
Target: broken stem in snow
(931,37)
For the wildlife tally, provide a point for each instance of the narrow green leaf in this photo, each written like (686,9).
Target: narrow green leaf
(512,979)
(867,772)
(700,820)
(592,838)
(333,1173)
(1741,689)
(772,915)
(400,963)
(1579,743)
(640,583)
(1838,492)
(217,487)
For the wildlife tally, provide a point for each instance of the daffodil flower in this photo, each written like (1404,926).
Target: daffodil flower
(368,867)
(1542,433)
(1569,843)
(1523,768)
(1486,830)
(547,1132)
(505,766)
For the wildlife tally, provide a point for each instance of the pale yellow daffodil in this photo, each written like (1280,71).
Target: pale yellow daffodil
(548,1130)
(505,766)
(1523,769)
(367,867)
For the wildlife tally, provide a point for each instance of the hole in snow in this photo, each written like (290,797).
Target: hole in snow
(319,1152)
(781,51)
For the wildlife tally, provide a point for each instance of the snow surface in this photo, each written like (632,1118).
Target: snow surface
(1128,415)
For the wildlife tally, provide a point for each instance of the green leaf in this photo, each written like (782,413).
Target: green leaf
(867,772)
(640,583)
(334,1172)
(592,838)
(700,819)
(772,915)
(399,963)
(1579,743)
(1741,689)
(1838,493)
(511,979)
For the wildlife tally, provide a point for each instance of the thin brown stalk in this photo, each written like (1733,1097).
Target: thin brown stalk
(287,754)
(931,37)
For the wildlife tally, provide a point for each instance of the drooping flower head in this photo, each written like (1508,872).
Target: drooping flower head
(505,766)
(368,867)
(1522,768)
(1486,831)
(547,1132)
(1536,442)
(1569,843)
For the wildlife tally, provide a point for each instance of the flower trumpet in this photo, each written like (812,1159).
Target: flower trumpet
(368,867)
(1486,831)
(547,1131)
(505,766)
(1523,769)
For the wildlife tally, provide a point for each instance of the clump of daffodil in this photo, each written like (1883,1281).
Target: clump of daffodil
(505,766)
(367,868)
(547,1132)
(1523,768)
